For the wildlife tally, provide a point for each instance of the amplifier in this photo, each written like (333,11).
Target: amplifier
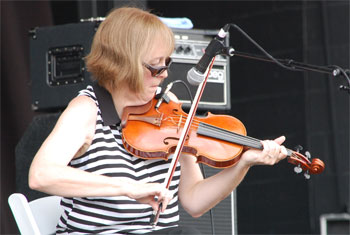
(58,71)
(189,48)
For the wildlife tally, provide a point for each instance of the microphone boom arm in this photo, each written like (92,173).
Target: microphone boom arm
(291,63)
(333,70)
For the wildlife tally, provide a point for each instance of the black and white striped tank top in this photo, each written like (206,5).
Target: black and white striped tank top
(120,214)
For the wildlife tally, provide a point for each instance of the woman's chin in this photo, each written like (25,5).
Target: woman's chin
(147,97)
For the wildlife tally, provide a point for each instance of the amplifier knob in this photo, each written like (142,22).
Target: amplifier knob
(187,50)
(179,49)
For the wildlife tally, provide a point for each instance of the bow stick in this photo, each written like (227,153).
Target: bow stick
(180,144)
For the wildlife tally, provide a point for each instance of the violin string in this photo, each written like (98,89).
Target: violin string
(196,123)
(215,130)
(226,135)
(180,121)
(184,116)
(231,136)
(175,117)
(255,143)
(218,132)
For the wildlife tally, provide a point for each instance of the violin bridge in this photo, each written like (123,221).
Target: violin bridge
(154,119)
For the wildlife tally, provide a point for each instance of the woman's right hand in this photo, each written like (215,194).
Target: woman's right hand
(150,193)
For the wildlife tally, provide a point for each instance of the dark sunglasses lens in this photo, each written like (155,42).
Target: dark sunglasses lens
(156,71)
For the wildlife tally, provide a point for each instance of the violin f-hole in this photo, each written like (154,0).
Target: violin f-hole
(165,141)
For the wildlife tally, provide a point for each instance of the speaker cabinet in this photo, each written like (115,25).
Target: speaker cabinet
(335,224)
(57,67)
(29,144)
(58,70)
(222,219)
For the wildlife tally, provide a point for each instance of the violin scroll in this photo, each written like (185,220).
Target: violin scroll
(303,163)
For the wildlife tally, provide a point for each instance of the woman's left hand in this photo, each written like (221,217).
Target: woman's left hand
(272,153)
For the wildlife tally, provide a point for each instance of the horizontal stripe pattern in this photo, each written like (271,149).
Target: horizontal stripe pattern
(116,215)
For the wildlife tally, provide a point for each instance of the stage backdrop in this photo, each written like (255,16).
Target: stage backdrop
(306,107)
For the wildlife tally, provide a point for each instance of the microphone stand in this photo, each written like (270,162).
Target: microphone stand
(333,70)
(292,65)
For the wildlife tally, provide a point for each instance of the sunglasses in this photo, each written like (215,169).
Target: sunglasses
(157,70)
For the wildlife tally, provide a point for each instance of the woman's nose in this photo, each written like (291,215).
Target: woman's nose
(164,74)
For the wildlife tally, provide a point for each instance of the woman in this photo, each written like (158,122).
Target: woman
(104,188)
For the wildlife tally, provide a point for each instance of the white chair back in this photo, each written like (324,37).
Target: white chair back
(39,216)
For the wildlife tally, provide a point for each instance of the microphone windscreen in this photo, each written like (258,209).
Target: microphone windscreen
(194,77)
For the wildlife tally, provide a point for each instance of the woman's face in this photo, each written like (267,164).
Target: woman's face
(156,57)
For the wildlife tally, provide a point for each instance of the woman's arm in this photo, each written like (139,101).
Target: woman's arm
(197,196)
(71,136)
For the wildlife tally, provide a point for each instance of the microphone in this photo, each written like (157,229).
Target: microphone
(196,74)
(164,96)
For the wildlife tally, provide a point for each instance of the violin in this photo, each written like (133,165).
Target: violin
(215,140)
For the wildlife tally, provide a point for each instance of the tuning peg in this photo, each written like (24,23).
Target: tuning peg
(307,175)
(298,148)
(298,169)
(308,154)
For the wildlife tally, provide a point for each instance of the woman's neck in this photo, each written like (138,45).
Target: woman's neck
(123,97)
